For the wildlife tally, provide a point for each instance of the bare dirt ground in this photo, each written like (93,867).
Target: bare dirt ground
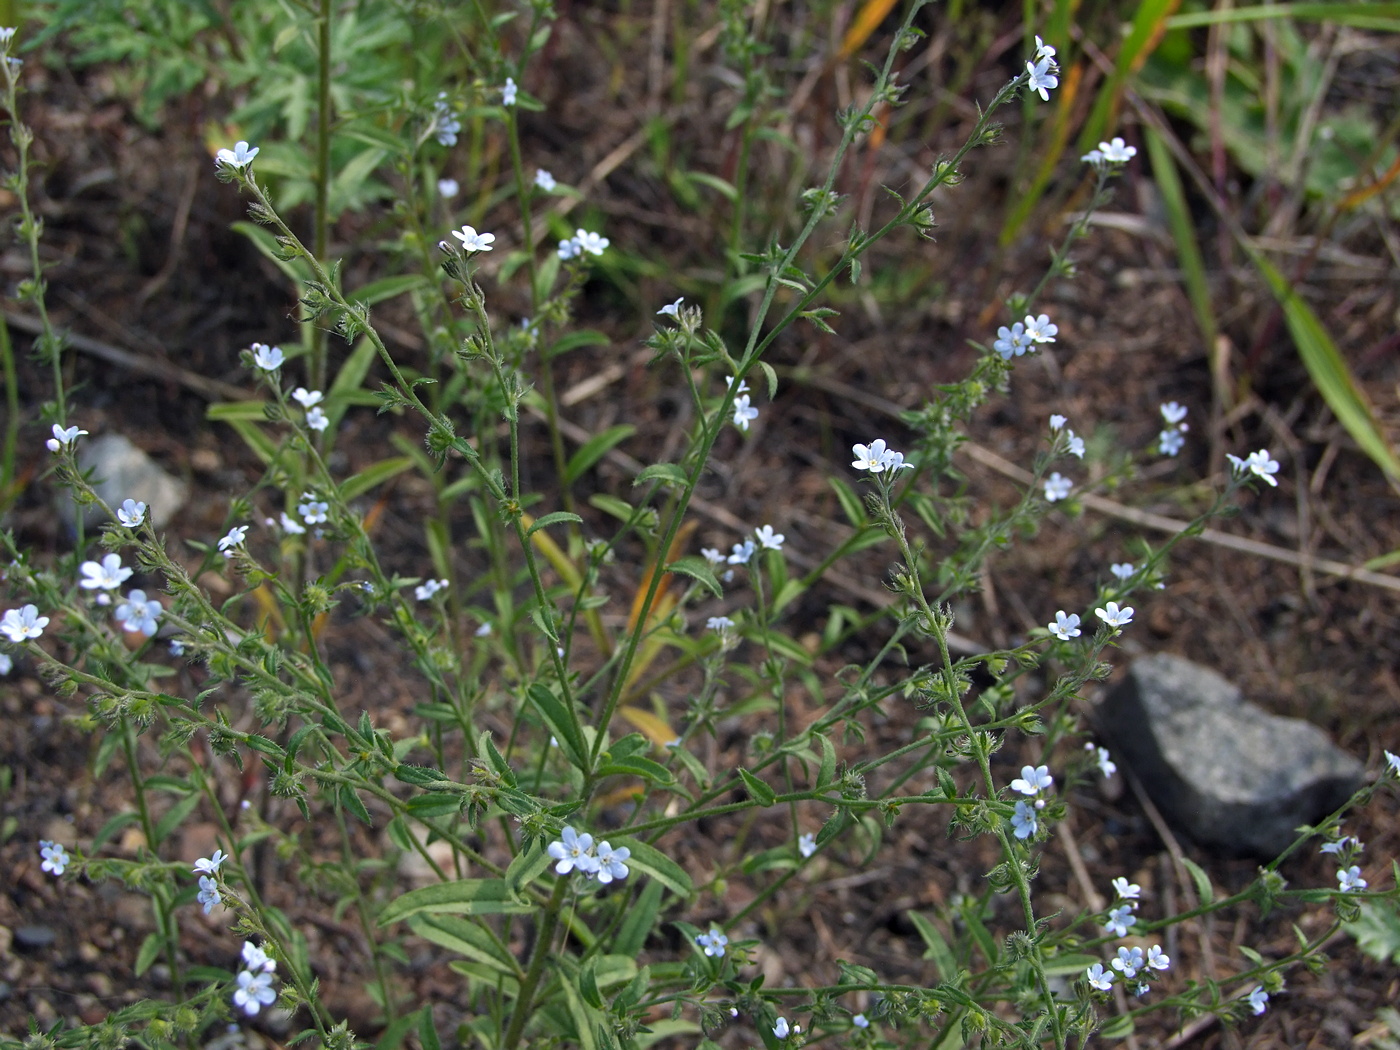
(143,261)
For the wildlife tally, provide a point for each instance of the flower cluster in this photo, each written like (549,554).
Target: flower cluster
(1173,434)
(1260,464)
(1024,336)
(255,980)
(544,181)
(1073,443)
(1066,625)
(575,852)
(63,438)
(1106,764)
(1033,782)
(583,241)
(1345,849)
(424,591)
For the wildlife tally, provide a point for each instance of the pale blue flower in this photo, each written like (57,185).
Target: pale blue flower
(131,513)
(254,992)
(719,623)
(1349,880)
(713,942)
(1393,761)
(448,188)
(1260,464)
(55,857)
(424,591)
(1033,780)
(1119,919)
(1158,959)
(573,851)
(545,181)
(1040,330)
(1057,421)
(1112,615)
(1258,1000)
(1012,342)
(268,358)
(1057,487)
(239,157)
(138,613)
(63,437)
(1024,821)
(672,309)
(610,863)
(1172,413)
(1106,764)
(209,865)
(508,92)
(782,1029)
(233,539)
(768,539)
(22,624)
(107,575)
(744,413)
(807,844)
(742,552)
(1170,441)
(1129,962)
(1127,891)
(1099,977)
(307,398)
(473,241)
(1066,626)
(860,1021)
(1041,80)
(208,893)
(1123,569)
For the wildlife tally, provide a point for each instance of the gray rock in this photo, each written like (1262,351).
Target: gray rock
(122,471)
(1226,771)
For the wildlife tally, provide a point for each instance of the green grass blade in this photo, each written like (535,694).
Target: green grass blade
(1188,252)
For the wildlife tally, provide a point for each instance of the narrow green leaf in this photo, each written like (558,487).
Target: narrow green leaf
(619,509)
(464,937)
(666,473)
(936,948)
(561,724)
(651,861)
(851,505)
(388,288)
(1188,252)
(757,788)
(638,920)
(552,519)
(150,951)
(463,897)
(172,817)
(264,745)
(350,799)
(594,449)
(698,569)
(373,476)
(636,766)
(1198,875)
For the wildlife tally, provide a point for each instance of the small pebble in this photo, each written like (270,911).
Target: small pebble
(35,936)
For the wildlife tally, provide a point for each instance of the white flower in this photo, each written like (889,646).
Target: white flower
(56,858)
(208,893)
(1041,79)
(473,241)
(307,398)
(768,539)
(573,850)
(1260,464)
(673,309)
(1099,977)
(1122,569)
(1106,764)
(131,513)
(873,457)
(742,552)
(1116,152)
(7,33)
(448,188)
(484,631)
(1074,444)
(63,437)
(291,526)
(1093,157)
(860,1021)
(1158,959)
(807,844)
(1012,342)
(1024,821)
(316,419)
(569,249)
(1172,413)
(1258,1000)
(312,510)
(209,865)
(256,959)
(743,384)
(609,863)
(782,1028)
(719,623)
(1127,891)
(743,412)
(177,647)
(1129,962)
(238,157)
(590,242)
(424,591)
(508,92)
(1057,421)
(6,664)
(1040,330)
(268,358)
(712,555)
(233,539)
(545,181)
(713,942)
(1057,487)
(1393,761)
(139,614)
(254,992)
(1119,919)
(107,576)
(1065,626)
(446,126)
(21,624)
(1350,880)
(1043,50)
(1114,616)
(1033,780)
(1170,441)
